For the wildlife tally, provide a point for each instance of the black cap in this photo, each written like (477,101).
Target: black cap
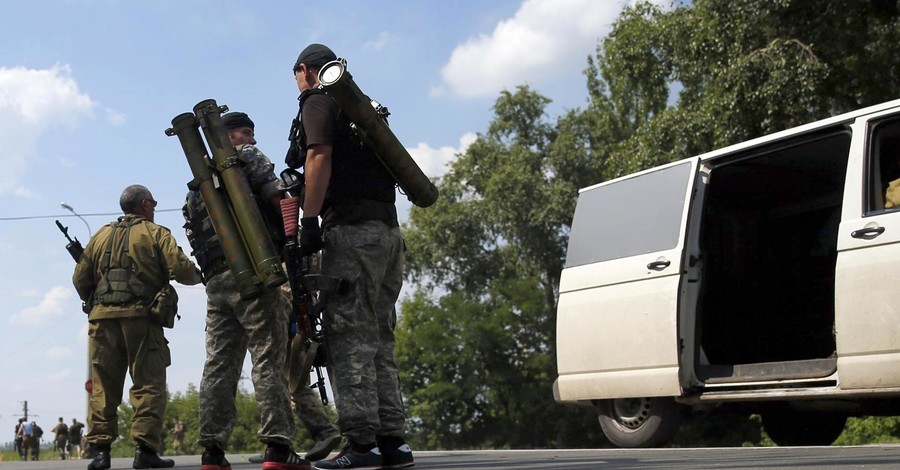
(315,55)
(235,120)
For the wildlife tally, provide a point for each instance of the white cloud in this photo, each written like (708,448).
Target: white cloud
(384,38)
(54,304)
(434,161)
(57,353)
(543,40)
(31,102)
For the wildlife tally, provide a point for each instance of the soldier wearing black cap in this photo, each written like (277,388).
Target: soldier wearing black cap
(234,324)
(354,195)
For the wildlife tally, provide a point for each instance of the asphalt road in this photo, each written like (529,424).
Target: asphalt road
(794,458)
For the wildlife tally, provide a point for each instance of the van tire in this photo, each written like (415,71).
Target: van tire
(788,427)
(640,422)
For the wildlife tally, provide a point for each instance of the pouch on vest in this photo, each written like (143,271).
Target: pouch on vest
(164,307)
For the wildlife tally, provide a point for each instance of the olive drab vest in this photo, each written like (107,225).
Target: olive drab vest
(356,172)
(119,283)
(201,234)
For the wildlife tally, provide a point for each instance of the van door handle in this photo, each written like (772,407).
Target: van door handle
(659,265)
(868,232)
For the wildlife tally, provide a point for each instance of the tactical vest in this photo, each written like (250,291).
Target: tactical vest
(120,285)
(201,234)
(356,172)
(206,247)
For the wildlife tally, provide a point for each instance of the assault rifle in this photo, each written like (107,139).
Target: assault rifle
(74,246)
(309,291)
(75,250)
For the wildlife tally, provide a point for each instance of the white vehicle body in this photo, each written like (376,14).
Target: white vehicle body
(765,274)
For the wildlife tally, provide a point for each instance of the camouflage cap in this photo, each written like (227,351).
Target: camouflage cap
(314,55)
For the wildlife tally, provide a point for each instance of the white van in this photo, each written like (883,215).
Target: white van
(763,277)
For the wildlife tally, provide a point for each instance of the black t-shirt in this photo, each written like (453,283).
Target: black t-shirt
(318,118)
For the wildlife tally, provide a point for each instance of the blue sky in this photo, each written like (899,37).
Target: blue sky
(87,88)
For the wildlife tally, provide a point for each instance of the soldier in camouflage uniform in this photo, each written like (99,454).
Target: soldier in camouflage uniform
(355,195)
(234,324)
(123,267)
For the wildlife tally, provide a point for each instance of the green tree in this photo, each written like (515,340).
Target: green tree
(477,364)
(687,80)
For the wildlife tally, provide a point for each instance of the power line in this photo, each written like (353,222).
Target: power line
(97,214)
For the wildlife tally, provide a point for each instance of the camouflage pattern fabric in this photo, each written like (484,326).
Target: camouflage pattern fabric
(114,344)
(232,326)
(307,402)
(360,328)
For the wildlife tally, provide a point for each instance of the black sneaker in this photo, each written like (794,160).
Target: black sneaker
(350,458)
(283,458)
(323,447)
(395,452)
(258,458)
(213,458)
(147,458)
(400,457)
(100,461)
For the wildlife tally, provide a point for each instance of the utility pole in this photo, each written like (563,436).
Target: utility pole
(25,411)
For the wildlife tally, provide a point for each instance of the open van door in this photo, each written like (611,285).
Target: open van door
(625,253)
(867,306)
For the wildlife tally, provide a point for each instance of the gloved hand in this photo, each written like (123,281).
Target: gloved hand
(310,236)
(892,195)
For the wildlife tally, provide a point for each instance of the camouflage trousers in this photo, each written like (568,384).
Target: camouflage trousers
(233,326)
(307,402)
(360,328)
(117,346)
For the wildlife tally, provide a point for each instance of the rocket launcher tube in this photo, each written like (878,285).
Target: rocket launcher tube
(266,260)
(338,83)
(187,129)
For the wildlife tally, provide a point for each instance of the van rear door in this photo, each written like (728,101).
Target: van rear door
(617,334)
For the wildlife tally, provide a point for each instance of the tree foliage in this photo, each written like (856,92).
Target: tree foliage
(476,341)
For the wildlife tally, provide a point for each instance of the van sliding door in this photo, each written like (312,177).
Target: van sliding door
(617,320)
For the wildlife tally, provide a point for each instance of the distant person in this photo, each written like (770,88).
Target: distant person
(125,266)
(61,437)
(34,442)
(177,436)
(76,433)
(234,324)
(19,444)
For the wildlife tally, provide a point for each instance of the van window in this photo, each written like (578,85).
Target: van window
(884,166)
(629,217)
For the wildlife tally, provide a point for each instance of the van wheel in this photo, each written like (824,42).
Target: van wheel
(787,427)
(640,422)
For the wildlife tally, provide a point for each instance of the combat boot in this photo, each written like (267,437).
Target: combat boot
(101,458)
(145,457)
